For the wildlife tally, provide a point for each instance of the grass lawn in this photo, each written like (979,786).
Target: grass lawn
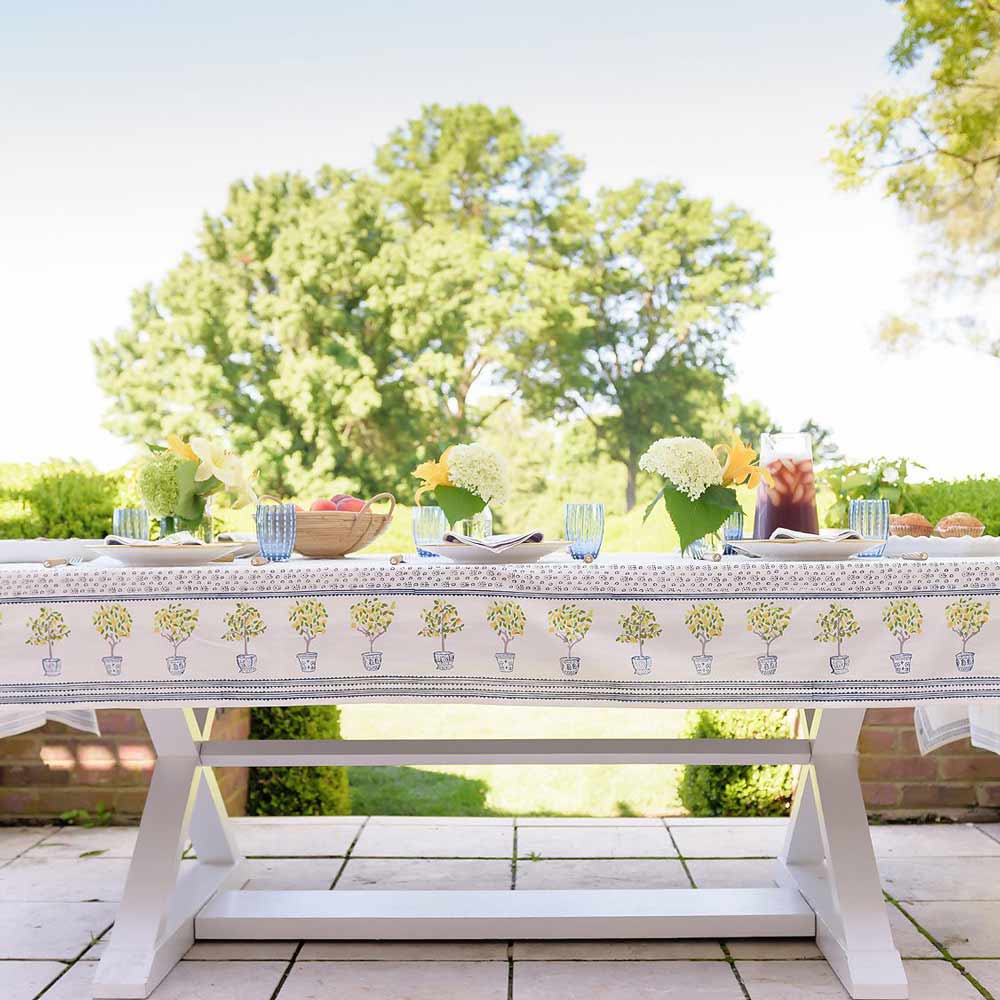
(511,789)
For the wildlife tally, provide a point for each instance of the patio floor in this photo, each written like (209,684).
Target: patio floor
(58,890)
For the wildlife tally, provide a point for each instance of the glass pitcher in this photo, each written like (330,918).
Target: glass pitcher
(791,501)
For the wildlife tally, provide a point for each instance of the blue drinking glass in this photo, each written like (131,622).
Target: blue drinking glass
(276,530)
(732,531)
(130,522)
(870,519)
(429,527)
(584,523)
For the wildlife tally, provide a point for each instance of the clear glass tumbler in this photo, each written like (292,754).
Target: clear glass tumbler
(276,530)
(130,522)
(429,527)
(870,519)
(732,531)
(584,524)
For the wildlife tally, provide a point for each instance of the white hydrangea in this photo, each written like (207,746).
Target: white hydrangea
(479,470)
(686,462)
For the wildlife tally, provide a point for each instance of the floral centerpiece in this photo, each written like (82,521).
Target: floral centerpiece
(463,481)
(178,478)
(699,488)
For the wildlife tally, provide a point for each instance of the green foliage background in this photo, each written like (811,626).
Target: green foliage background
(297,791)
(736,789)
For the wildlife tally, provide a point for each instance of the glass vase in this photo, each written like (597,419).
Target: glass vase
(478,526)
(710,546)
(202,527)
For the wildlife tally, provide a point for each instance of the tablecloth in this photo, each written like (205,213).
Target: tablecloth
(652,630)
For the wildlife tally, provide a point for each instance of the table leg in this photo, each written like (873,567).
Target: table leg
(828,857)
(155,922)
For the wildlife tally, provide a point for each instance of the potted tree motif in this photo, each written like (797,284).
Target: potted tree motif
(441,620)
(48,628)
(966,618)
(638,626)
(904,620)
(308,618)
(176,623)
(768,621)
(113,623)
(372,618)
(508,620)
(243,624)
(705,623)
(838,625)
(570,623)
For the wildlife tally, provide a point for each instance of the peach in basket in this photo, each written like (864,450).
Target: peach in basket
(330,533)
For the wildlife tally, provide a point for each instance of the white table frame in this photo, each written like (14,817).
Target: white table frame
(828,881)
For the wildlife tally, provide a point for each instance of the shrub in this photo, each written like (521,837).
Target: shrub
(297,791)
(736,789)
(58,500)
(978,496)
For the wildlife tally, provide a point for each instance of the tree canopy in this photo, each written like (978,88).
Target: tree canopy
(935,149)
(342,327)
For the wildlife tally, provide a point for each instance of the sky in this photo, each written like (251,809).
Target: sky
(120,124)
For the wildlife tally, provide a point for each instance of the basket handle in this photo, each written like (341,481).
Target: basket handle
(375,499)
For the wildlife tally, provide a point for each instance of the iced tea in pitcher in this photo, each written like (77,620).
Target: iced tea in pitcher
(791,501)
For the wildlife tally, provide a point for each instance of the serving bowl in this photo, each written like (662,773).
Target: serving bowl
(330,534)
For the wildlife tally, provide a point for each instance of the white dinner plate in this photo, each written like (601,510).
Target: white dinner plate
(802,550)
(38,550)
(167,555)
(527,552)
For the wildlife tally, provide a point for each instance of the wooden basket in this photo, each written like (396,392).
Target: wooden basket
(329,534)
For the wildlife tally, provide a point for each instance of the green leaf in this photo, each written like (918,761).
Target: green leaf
(190,502)
(155,448)
(94,854)
(694,519)
(457,503)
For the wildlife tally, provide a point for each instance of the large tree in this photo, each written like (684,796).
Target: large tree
(660,282)
(334,327)
(935,150)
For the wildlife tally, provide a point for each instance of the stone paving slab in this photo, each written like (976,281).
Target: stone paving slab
(25,980)
(613,873)
(594,842)
(426,873)
(395,981)
(640,980)
(14,840)
(936,873)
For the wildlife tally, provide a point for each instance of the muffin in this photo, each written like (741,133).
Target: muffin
(910,526)
(959,525)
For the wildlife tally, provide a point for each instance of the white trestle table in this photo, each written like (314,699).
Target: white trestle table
(829,639)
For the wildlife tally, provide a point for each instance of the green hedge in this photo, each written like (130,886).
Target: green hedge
(57,500)
(736,789)
(297,791)
(978,496)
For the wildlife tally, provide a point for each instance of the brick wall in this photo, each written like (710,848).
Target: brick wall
(956,782)
(50,770)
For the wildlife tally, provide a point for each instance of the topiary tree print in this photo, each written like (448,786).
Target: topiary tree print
(638,626)
(440,621)
(175,623)
(768,621)
(372,617)
(309,619)
(113,623)
(966,617)
(508,620)
(837,625)
(244,623)
(705,622)
(570,623)
(904,619)
(47,628)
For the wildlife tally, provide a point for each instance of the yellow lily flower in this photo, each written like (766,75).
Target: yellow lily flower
(739,469)
(433,474)
(179,447)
